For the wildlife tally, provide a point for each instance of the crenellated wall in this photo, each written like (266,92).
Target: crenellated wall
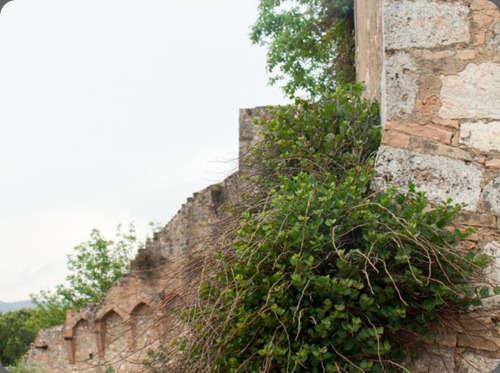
(136,314)
(434,67)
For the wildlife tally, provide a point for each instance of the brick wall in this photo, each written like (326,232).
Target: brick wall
(435,70)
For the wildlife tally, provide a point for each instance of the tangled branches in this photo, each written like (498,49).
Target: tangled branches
(317,272)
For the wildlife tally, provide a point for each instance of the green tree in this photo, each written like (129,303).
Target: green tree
(310,43)
(17,330)
(94,266)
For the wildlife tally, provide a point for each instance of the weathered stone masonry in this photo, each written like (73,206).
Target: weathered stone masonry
(434,66)
(136,314)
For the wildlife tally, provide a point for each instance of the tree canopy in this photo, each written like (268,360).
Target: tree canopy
(310,43)
(94,266)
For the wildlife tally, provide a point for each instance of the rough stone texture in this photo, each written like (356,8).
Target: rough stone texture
(433,362)
(492,249)
(429,131)
(440,109)
(492,163)
(423,146)
(491,195)
(400,90)
(472,363)
(482,136)
(440,177)
(494,43)
(473,93)
(249,131)
(424,24)
(49,351)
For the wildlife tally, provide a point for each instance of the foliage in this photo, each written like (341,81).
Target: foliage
(22,367)
(156,359)
(310,42)
(94,267)
(320,274)
(327,136)
(17,331)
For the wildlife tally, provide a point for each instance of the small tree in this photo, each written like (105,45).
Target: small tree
(17,331)
(94,266)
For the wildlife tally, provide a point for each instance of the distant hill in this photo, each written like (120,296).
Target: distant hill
(6,307)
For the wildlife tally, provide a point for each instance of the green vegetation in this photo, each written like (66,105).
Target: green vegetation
(94,267)
(320,273)
(22,367)
(310,43)
(17,330)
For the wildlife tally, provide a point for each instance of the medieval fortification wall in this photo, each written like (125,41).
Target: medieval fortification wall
(434,67)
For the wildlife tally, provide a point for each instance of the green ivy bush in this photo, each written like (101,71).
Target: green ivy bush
(321,274)
(328,136)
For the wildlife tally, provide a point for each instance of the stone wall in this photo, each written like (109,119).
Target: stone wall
(436,74)
(137,313)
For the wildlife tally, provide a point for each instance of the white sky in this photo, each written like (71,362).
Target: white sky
(113,111)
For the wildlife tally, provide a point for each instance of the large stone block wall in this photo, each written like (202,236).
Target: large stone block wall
(435,69)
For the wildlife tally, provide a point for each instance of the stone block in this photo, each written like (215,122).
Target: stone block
(453,123)
(473,363)
(400,88)
(428,105)
(494,42)
(492,249)
(422,145)
(467,54)
(481,136)
(477,342)
(474,219)
(473,93)
(425,24)
(482,5)
(428,131)
(394,138)
(491,195)
(440,177)
(493,163)
(434,362)
(447,340)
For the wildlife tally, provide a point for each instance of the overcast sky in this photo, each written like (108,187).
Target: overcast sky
(113,111)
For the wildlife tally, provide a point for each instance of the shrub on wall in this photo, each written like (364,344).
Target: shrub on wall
(321,274)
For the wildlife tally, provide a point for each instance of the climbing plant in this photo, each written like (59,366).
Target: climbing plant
(320,273)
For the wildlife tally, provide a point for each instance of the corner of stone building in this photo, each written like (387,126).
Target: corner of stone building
(439,86)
